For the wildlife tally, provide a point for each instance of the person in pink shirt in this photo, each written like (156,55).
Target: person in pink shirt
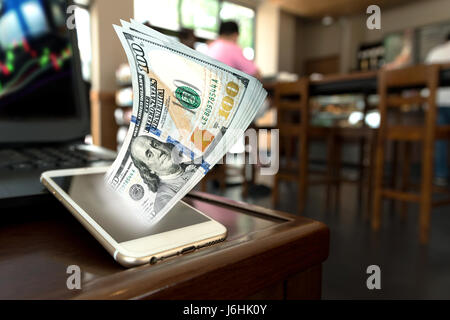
(226,50)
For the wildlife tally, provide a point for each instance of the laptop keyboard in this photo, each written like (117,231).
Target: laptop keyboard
(46,158)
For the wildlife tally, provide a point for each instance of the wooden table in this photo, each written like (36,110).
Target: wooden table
(267,254)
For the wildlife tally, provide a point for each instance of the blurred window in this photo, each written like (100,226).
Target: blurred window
(200,15)
(245,17)
(203,16)
(159,13)
(83,22)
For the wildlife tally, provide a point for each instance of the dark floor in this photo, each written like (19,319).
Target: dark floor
(408,270)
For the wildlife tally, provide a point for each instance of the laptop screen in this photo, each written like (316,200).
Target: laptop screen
(35,60)
(38,80)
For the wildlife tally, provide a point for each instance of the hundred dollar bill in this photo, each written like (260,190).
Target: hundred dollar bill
(184,105)
(244,118)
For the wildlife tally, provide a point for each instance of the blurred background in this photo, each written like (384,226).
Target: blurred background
(342,77)
(327,43)
(285,39)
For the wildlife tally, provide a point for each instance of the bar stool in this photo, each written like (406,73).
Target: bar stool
(365,138)
(390,82)
(292,102)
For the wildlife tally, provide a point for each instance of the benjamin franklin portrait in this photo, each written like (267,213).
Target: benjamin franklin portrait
(158,166)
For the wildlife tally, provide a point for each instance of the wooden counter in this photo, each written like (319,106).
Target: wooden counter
(267,254)
(357,82)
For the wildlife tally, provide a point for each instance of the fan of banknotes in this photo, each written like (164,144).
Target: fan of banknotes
(188,111)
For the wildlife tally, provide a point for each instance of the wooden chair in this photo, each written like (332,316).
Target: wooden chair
(389,84)
(291,101)
(365,138)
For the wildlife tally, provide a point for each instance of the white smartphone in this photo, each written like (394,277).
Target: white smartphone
(127,238)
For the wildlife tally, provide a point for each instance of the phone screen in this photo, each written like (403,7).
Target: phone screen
(118,218)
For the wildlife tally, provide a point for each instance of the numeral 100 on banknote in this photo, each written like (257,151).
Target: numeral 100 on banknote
(232,89)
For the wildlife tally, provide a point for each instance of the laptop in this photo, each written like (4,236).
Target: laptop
(44,105)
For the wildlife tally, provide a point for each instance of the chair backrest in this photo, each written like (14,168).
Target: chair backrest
(391,84)
(418,75)
(291,100)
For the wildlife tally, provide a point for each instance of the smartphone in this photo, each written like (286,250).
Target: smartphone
(125,235)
